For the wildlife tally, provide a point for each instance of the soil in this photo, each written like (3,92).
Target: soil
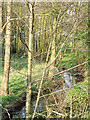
(16,106)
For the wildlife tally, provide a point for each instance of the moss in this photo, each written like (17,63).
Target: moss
(9,99)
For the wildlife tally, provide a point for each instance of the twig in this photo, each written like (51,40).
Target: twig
(81,113)
(41,115)
(69,69)
(58,113)
(71,106)
(62,71)
(58,91)
(6,111)
(8,22)
(19,72)
(25,44)
(42,80)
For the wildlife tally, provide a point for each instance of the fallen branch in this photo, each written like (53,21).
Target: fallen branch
(58,113)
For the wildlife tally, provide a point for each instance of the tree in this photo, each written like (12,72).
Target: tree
(0,15)
(28,97)
(0,43)
(5,80)
(0,26)
(52,67)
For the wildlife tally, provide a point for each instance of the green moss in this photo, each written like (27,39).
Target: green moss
(8,99)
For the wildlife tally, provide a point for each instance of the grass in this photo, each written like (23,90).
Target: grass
(6,100)
(70,61)
(17,81)
(20,64)
(18,77)
(80,99)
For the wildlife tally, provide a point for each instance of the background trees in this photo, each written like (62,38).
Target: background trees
(44,38)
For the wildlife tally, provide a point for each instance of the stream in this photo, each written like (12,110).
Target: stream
(69,81)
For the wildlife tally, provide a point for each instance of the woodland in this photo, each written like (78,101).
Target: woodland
(44,60)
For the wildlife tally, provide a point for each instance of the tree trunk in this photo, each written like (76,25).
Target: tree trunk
(0,15)
(28,97)
(43,36)
(7,54)
(0,51)
(52,67)
(0,29)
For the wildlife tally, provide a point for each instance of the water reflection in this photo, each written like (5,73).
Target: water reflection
(39,108)
(20,114)
(58,94)
(23,112)
(69,79)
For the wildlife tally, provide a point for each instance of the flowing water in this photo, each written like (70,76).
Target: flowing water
(68,82)
(40,108)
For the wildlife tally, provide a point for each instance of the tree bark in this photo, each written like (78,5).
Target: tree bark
(52,67)
(5,80)
(28,97)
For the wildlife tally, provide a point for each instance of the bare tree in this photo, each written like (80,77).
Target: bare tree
(28,107)
(5,80)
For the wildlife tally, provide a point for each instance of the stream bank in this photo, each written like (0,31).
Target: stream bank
(17,108)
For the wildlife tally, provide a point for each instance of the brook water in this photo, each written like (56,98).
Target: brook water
(69,81)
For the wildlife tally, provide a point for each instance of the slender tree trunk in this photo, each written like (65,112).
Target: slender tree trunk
(0,23)
(3,21)
(70,107)
(51,70)
(35,50)
(43,36)
(28,97)
(7,53)
(17,37)
(76,42)
(0,49)
(0,15)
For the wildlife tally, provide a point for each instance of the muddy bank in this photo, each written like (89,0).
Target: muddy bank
(16,106)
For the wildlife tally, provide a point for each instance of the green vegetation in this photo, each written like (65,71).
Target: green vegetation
(40,39)
(80,99)
(18,78)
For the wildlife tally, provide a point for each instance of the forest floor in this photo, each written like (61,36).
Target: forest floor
(18,77)
(18,80)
